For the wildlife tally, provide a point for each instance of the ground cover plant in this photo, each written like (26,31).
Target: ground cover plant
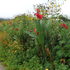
(35,42)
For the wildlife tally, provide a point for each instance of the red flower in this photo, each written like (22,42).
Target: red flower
(39,15)
(38,10)
(64,25)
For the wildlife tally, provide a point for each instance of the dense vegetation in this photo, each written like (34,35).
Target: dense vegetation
(35,42)
(21,49)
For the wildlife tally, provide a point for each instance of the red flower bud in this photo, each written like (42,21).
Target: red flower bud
(37,33)
(30,31)
(35,30)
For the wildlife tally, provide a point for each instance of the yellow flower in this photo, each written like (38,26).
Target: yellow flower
(46,69)
(58,5)
(50,7)
(54,5)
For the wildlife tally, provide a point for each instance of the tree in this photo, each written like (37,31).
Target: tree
(50,9)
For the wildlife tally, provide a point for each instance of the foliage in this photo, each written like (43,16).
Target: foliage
(30,43)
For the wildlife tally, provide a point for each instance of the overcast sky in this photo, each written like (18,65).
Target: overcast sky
(66,8)
(10,8)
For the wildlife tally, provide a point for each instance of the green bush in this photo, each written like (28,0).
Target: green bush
(24,49)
